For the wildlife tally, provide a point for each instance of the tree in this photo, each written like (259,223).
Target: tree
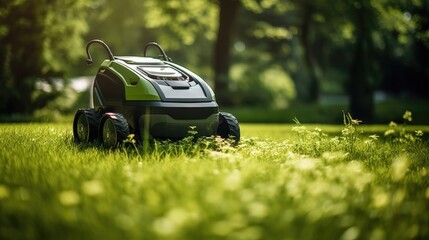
(306,36)
(353,34)
(228,10)
(38,42)
(187,29)
(361,87)
(373,20)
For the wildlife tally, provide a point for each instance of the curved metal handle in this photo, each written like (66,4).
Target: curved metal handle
(164,55)
(109,53)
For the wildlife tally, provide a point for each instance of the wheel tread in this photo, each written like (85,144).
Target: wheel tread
(228,126)
(93,118)
(121,126)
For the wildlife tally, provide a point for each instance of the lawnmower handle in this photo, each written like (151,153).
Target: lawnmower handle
(109,53)
(164,55)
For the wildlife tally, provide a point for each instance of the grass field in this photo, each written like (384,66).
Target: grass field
(280,182)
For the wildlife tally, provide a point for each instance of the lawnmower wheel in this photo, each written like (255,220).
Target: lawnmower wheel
(228,127)
(113,129)
(85,125)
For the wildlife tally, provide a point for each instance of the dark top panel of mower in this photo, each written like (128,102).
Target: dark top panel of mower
(173,83)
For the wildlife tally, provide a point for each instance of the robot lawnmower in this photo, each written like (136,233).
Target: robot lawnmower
(151,97)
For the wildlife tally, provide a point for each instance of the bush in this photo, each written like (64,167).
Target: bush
(259,86)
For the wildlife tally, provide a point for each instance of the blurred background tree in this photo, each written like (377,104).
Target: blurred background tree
(39,42)
(253,52)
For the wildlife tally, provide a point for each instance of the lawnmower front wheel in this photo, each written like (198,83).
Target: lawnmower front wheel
(228,127)
(113,129)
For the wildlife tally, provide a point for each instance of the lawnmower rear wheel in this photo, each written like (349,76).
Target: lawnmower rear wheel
(113,129)
(228,127)
(85,125)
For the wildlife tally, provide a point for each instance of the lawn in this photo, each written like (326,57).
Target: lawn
(283,181)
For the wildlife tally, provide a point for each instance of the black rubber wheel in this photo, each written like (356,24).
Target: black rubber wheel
(228,127)
(113,129)
(85,125)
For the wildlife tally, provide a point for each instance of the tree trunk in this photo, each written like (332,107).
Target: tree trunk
(21,58)
(361,88)
(227,16)
(313,92)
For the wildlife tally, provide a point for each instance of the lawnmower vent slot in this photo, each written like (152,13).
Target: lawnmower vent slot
(162,72)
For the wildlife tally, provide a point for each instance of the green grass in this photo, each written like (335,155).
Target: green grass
(281,182)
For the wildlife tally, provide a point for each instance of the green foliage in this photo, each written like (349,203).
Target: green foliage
(60,108)
(304,42)
(39,40)
(260,86)
(184,21)
(400,134)
(178,26)
(350,132)
(277,183)
(315,40)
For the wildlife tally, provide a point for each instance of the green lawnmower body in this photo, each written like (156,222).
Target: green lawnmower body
(149,97)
